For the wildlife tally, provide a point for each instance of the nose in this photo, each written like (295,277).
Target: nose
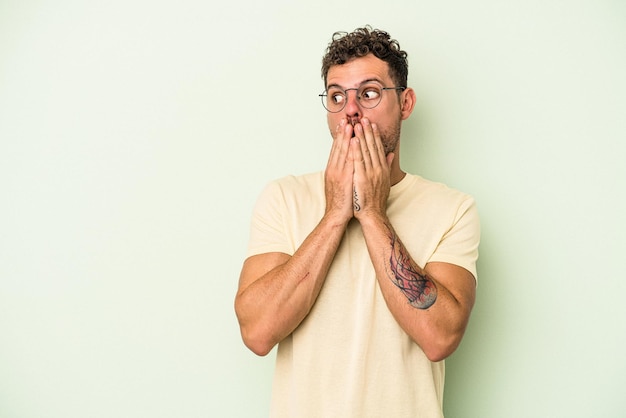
(353,107)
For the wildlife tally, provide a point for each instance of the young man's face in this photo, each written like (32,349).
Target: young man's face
(388,114)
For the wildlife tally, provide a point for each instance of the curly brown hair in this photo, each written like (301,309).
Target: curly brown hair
(345,47)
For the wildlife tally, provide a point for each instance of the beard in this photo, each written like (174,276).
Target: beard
(390,137)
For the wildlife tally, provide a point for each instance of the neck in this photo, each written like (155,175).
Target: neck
(396,175)
(396,172)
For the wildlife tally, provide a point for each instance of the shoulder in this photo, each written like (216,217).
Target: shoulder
(296,181)
(288,190)
(310,183)
(417,187)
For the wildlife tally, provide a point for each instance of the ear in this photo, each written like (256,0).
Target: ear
(407,102)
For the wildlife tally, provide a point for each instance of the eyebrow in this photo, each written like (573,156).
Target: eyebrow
(369,80)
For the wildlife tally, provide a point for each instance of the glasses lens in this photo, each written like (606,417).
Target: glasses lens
(369,95)
(334,100)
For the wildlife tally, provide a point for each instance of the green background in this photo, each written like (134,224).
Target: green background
(136,135)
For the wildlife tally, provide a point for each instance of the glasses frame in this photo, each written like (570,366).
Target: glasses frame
(323,96)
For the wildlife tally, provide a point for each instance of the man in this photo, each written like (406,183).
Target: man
(363,274)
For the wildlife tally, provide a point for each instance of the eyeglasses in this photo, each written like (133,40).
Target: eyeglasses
(369,95)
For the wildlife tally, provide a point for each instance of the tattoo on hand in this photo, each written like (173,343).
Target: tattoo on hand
(419,289)
(355,201)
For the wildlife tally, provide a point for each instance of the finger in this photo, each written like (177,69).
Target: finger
(373,142)
(356,153)
(377,146)
(363,145)
(345,143)
(336,146)
(332,156)
(340,146)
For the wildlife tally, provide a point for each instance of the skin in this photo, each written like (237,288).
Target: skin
(276,291)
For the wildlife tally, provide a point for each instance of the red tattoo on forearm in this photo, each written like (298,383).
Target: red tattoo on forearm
(419,289)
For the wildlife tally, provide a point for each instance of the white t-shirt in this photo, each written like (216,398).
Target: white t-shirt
(349,357)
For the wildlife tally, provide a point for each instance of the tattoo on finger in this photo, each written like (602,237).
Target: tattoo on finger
(355,200)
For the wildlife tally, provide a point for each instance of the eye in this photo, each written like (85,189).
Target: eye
(370,93)
(336,98)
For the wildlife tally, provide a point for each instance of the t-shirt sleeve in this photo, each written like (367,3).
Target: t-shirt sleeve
(459,245)
(268,226)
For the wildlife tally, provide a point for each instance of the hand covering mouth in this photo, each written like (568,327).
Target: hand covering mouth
(353,122)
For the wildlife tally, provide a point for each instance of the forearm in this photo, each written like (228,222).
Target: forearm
(421,303)
(273,300)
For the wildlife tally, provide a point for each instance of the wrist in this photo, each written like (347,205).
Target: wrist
(336,219)
(371,218)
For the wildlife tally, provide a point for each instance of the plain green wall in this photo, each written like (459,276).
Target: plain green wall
(135,136)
